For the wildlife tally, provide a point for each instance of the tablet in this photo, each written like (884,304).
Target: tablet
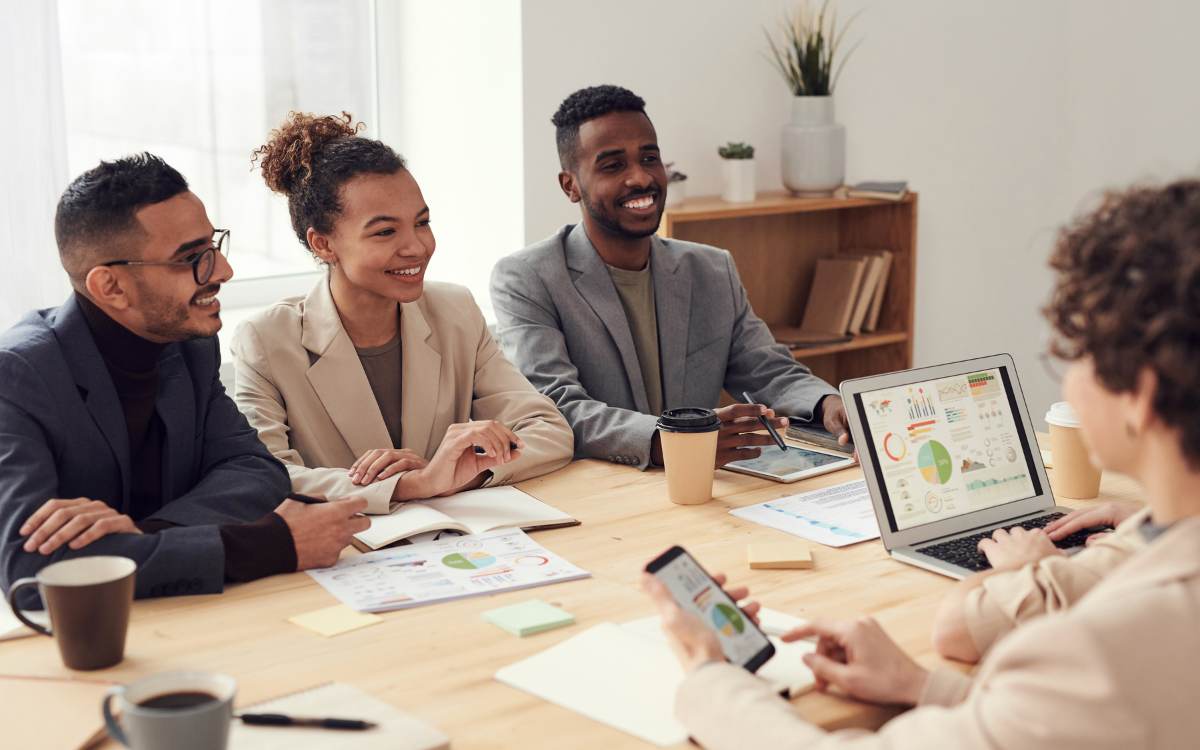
(791,465)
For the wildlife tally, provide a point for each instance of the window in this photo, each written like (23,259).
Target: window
(202,84)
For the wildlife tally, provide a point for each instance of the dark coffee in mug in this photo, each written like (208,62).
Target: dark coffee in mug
(177,701)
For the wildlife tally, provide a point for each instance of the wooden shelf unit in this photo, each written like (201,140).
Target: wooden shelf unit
(776,241)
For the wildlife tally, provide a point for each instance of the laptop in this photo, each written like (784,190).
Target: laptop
(949,456)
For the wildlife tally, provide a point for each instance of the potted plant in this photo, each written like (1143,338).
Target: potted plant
(814,146)
(737,172)
(676,186)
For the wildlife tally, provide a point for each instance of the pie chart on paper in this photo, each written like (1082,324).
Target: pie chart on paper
(469,561)
(934,462)
(728,620)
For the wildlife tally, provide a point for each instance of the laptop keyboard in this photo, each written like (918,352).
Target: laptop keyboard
(964,551)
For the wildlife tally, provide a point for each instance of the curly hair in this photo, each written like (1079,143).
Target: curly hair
(309,158)
(98,209)
(1127,296)
(588,104)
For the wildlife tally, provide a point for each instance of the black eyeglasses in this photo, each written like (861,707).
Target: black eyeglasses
(1055,366)
(203,263)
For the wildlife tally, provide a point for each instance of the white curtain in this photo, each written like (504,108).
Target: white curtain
(33,158)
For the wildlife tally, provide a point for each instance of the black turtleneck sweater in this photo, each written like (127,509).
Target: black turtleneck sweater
(252,550)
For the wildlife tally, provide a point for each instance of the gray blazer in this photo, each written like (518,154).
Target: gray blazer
(561,322)
(62,434)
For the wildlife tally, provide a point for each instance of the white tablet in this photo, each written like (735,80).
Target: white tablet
(791,465)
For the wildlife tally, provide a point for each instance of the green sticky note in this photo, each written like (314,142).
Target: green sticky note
(527,618)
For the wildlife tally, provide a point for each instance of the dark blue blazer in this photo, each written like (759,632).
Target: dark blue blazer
(63,435)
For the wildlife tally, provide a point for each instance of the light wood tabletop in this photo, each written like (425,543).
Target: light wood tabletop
(436,662)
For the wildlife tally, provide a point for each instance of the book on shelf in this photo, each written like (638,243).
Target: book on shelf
(867,289)
(888,191)
(885,271)
(472,512)
(832,298)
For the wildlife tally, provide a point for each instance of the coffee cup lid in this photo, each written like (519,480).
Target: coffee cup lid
(689,419)
(1062,415)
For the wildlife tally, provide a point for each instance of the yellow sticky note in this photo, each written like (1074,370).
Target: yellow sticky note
(335,620)
(787,555)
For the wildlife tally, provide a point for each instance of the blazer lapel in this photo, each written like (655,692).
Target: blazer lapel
(337,375)
(673,308)
(99,395)
(422,379)
(596,287)
(176,405)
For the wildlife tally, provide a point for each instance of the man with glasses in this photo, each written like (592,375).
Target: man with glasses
(116,436)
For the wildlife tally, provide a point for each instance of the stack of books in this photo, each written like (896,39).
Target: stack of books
(846,299)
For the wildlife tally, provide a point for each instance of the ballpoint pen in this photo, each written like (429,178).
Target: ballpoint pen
(765,423)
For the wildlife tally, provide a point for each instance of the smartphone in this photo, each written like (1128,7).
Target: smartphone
(695,591)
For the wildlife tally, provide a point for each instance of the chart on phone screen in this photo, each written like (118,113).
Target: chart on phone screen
(947,447)
(694,590)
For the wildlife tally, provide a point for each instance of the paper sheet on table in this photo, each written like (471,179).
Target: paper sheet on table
(11,627)
(632,676)
(835,516)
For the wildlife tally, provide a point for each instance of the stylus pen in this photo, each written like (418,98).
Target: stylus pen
(283,720)
(763,421)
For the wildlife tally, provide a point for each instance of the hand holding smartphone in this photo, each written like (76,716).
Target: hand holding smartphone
(695,591)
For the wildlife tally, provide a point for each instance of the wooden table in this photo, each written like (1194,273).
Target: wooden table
(437,662)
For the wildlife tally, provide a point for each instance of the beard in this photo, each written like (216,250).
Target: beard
(605,218)
(167,318)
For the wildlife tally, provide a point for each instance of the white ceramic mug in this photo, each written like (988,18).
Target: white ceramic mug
(149,722)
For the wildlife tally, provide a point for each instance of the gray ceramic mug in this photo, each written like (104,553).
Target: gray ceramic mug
(176,710)
(88,599)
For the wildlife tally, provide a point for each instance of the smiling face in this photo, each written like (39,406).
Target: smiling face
(381,241)
(618,175)
(164,302)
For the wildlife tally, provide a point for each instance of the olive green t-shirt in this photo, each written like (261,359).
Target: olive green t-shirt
(383,366)
(636,290)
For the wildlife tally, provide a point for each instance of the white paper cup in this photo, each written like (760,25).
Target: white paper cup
(1073,474)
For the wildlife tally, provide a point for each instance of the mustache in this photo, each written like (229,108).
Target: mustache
(206,292)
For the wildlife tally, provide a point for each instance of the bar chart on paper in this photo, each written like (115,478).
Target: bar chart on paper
(835,516)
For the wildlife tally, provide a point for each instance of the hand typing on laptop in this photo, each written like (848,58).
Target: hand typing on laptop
(1012,549)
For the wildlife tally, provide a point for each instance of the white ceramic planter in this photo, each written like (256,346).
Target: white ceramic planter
(737,180)
(814,148)
(676,192)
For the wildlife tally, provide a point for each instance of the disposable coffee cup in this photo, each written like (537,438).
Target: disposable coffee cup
(88,599)
(689,446)
(177,710)
(1074,476)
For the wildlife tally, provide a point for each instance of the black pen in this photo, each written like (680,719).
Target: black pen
(283,720)
(482,452)
(763,420)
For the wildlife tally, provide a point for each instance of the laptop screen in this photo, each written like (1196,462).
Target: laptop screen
(946,447)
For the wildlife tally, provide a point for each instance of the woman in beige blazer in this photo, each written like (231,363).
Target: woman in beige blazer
(379,384)
(1120,667)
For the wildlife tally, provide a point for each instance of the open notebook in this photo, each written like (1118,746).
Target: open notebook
(632,676)
(396,731)
(473,512)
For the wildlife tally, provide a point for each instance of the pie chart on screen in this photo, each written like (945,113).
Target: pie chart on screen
(728,620)
(934,462)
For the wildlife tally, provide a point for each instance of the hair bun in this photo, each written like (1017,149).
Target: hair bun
(286,159)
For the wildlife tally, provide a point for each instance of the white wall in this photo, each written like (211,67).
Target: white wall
(1006,117)
(450,102)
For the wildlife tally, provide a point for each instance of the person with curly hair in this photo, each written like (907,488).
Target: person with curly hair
(379,384)
(617,325)
(1118,668)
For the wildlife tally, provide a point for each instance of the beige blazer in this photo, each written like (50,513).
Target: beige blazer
(1119,669)
(299,382)
(1004,601)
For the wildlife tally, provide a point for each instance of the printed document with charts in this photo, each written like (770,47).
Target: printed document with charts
(443,570)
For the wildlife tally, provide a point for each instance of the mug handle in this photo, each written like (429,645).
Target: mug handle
(110,721)
(12,604)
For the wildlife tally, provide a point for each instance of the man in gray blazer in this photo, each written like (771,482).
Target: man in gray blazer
(616,324)
(116,436)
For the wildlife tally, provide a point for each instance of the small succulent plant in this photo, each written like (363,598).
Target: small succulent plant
(733,150)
